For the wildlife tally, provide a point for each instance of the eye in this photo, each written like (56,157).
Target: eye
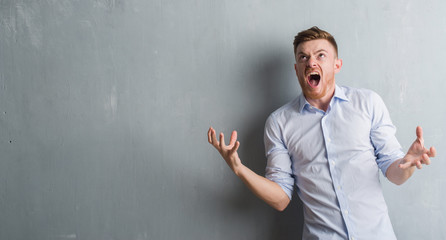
(321,55)
(303,57)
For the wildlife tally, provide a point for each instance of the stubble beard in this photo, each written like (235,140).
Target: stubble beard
(310,93)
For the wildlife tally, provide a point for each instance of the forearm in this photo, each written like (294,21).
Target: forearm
(398,175)
(265,189)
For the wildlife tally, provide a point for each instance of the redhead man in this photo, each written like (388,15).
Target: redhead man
(330,142)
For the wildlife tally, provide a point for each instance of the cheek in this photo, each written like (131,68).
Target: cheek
(300,71)
(329,68)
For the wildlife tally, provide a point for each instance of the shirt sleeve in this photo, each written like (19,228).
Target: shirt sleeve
(382,135)
(279,165)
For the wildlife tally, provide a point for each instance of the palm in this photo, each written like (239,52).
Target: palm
(228,152)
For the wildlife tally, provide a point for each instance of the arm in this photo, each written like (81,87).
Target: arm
(402,169)
(265,189)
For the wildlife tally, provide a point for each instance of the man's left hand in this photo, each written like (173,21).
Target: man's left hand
(417,154)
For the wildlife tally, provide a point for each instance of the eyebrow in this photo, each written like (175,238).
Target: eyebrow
(318,51)
(321,50)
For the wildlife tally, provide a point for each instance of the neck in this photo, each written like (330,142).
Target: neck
(321,103)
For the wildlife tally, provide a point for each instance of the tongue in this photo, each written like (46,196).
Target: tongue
(314,82)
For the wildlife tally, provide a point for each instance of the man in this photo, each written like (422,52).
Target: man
(330,142)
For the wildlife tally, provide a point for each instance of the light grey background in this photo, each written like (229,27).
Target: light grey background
(105,104)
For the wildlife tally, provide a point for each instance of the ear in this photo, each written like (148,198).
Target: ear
(295,68)
(337,65)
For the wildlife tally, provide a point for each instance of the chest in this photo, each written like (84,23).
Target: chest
(312,138)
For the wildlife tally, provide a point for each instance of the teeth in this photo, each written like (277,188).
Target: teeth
(314,73)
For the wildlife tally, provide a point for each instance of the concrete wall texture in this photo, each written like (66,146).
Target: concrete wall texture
(105,104)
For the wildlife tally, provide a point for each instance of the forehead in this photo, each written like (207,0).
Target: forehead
(314,46)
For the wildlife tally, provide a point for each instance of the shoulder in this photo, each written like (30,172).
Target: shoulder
(364,99)
(360,93)
(276,121)
(285,111)
(362,96)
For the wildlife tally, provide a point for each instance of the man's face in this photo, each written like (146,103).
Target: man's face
(316,65)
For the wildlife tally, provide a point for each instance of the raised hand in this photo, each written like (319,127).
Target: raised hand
(417,154)
(228,152)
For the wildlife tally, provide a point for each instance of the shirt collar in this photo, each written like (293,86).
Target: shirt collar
(339,94)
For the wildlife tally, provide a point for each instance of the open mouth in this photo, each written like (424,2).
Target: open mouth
(313,79)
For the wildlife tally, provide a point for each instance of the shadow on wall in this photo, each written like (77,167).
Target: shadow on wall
(273,83)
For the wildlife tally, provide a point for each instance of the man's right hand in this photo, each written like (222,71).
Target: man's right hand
(228,152)
(265,189)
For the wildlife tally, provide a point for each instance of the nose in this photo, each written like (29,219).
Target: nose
(311,62)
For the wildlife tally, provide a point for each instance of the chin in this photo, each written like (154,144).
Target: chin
(315,94)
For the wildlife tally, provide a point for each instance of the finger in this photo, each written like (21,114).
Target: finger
(233,138)
(418,164)
(209,135)
(419,132)
(214,139)
(405,165)
(432,152)
(426,159)
(235,148)
(222,141)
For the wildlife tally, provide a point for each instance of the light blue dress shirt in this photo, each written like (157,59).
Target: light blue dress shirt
(334,158)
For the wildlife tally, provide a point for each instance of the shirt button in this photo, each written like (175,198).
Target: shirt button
(346,212)
(328,140)
(352,238)
(333,162)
